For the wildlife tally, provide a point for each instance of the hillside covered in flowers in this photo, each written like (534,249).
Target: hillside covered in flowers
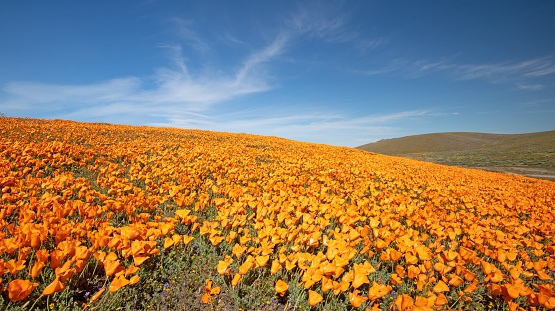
(108,217)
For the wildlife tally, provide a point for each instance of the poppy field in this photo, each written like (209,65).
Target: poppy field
(113,217)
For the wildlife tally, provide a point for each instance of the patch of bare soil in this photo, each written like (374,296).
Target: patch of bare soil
(532,172)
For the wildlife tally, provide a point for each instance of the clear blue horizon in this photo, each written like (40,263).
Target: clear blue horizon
(335,72)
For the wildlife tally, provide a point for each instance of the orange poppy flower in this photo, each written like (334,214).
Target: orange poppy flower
(14,266)
(166,227)
(440,287)
(182,213)
(215,240)
(394,254)
(176,239)
(238,250)
(360,277)
(411,259)
(37,267)
(395,279)
(168,242)
(187,239)
(112,266)
(208,291)
(327,284)
(195,226)
(289,265)
(404,302)
(82,253)
(441,300)
(381,244)
(314,298)
(97,295)
(281,287)
(355,299)
(512,291)
(511,255)
(223,265)
(469,276)
(455,280)
(42,255)
(132,269)
(472,287)
(543,276)
(326,267)
(423,253)
(55,287)
(400,271)
(245,267)
(65,271)
(134,280)
(421,302)
(378,291)
(99,256)
(20,289)
(111,256)
(138,260)
(118,283)
(413,271)
(114,243)
(487,267)
(236,279)
(276,266)
(261,260)
(339,287)
(338,272)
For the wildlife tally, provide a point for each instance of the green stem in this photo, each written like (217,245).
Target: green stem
(30,260)
(456,301)
(35,302)
(105,281)
(94,270)
(85,268)
(42,275)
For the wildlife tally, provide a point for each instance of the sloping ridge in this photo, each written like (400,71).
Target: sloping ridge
(458,141)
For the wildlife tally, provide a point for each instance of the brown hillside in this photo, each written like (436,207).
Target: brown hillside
(457,141)
(530,154)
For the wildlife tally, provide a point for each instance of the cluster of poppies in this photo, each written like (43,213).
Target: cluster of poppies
(79,194)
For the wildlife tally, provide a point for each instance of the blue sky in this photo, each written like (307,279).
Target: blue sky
(334,72)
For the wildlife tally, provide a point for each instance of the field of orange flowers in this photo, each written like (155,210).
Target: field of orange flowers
(106,217)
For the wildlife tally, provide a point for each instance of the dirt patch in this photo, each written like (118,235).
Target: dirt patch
(532,172)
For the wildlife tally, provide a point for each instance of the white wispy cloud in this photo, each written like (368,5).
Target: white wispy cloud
(531,87)
(409,69)
(228,37)
(174,87)
(43,96)
(318,20)
(252,63)
(516,72)
(365,44)
(507,71)
(330,127)
(328,21)
(187,33)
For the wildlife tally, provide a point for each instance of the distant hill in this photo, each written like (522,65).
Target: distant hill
(530,154)
(457,141)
